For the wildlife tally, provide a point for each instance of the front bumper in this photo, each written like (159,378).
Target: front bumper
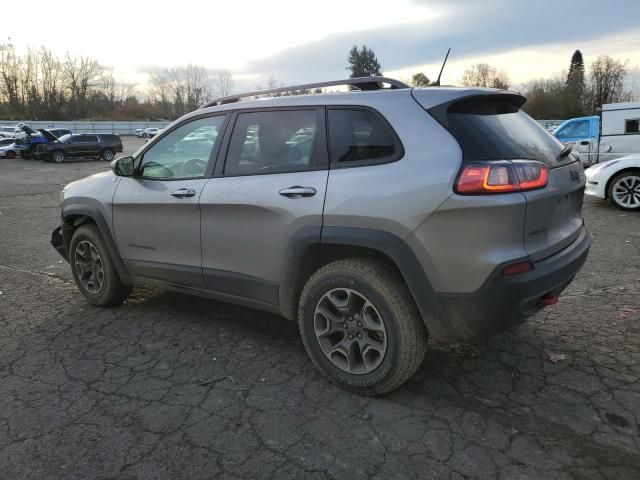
(503,302)
(58,242)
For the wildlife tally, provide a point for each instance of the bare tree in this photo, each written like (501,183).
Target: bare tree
(420,80)
(224,83)
(10,66)
(606,82)
(160,92)
(80,75)
(51,81)
(484,75)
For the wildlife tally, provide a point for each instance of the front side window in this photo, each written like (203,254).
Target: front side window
(575,130)
(632,126)
(360,135)
(184,152)
(272,142)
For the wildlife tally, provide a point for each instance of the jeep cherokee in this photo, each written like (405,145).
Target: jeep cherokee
(376,218)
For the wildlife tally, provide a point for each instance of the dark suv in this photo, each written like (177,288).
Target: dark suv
(93,145)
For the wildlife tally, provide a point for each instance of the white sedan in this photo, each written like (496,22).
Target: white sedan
(617,180)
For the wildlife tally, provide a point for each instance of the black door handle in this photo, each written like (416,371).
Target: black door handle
(584,142)
(183,192)
(297,192)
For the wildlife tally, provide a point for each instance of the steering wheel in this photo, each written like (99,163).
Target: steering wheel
(156,170)
(193,167)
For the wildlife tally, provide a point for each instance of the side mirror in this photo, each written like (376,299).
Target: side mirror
(123,166)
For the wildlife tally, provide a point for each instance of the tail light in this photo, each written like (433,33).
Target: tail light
(501,177)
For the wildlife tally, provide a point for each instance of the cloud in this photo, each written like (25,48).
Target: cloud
(469,27)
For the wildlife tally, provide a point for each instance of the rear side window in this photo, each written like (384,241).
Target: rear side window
(272,142)
(85,139)
(361,136)
(492,127)
(632,126)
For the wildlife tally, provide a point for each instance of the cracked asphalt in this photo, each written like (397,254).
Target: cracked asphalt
(169,386)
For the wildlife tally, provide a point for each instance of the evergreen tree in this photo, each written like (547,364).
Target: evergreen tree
(363,62)
(575,86)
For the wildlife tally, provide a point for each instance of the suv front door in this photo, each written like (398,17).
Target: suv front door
(156,216)
(268,194)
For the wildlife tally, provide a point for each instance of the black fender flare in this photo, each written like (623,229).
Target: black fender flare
(89,210)
(395,248)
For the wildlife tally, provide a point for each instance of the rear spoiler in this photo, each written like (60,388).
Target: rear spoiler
(475,102)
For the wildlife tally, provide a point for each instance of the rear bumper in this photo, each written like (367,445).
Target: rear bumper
(503,302)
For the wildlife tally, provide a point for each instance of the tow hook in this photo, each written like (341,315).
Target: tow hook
(549,299)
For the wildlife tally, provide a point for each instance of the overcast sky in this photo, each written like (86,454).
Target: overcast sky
(305,41)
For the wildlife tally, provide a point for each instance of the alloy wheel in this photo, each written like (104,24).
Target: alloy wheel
(350,331)
(626,191)
(58,157)
(89,267)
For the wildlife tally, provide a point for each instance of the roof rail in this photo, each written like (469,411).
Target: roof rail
(363,83)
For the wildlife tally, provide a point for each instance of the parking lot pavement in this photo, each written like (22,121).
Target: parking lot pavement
(170,386)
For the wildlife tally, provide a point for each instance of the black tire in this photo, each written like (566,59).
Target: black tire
(108,155)
(632,186)
(112,291)
(406,334)
(11,154)
(57,156)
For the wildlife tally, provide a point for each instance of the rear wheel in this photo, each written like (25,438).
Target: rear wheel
(624,190)
(11,154)
(57,156)
(93,269)
(107,155)
(361,327)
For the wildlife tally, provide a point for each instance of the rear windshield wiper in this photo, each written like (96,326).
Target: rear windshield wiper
(566,151)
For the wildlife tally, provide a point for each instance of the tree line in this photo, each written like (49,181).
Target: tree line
(40,85)
(566,95)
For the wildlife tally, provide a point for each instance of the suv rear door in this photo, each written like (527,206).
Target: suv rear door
(156,216)
(269,191)
(83,145)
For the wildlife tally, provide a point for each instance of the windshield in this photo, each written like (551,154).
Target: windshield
(64,138)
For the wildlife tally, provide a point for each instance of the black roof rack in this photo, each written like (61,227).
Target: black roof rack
(363,83)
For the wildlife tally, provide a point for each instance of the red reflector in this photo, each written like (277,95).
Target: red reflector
(549,300)
(517,268)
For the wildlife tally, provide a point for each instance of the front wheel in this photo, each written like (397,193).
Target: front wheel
(361,327)
(93,270)
(624,190)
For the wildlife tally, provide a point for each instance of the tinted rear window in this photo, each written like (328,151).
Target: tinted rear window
(491,128)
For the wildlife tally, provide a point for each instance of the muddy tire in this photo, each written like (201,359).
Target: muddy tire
(93,270)
(361,327)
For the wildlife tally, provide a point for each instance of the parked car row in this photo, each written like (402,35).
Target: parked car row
(146,132)
(56,145)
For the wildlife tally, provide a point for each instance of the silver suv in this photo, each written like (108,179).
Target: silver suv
(376,218)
